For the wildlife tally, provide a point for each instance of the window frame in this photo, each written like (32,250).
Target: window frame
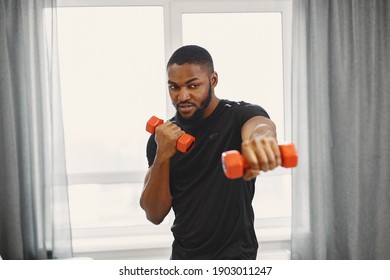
(269,230)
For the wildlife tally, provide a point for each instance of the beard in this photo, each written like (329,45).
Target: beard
(197,117)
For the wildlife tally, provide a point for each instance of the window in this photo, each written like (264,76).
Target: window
(112,66)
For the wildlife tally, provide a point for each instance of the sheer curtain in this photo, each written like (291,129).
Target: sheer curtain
(34,214)
(341,87)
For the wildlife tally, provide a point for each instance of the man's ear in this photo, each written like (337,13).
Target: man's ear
(214,79)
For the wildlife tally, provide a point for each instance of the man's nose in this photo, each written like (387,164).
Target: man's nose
(183,95)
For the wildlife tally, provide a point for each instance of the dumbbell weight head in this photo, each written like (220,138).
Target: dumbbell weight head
(233,164)
(152,123)
(289,155)
(185,143)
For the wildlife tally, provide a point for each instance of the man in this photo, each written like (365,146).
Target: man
(213,214)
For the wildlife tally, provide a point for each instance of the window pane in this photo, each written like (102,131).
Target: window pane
(98,206)
(112,80)
(247,51)
(273,196)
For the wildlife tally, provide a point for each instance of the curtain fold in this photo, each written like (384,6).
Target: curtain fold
(341,85)
(34,213)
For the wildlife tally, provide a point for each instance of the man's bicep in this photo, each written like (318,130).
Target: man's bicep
(147,175)
(151,148)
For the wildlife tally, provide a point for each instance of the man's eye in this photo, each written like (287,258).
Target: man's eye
(173,87)
(193,86)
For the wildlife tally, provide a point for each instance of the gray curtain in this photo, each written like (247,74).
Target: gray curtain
(34,214)
(341,87)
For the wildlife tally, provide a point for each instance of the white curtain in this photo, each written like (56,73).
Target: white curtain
(34,213)
(341,87)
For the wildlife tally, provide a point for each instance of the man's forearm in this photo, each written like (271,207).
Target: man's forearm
(156,197)
(258,127)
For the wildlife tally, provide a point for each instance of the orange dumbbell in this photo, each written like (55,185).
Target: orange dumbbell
(184,143)
(234,164)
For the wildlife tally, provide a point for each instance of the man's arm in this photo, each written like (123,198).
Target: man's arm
(259,146)
(156,197)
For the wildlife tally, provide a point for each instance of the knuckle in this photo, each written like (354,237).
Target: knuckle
(264,165)
(245,144)
(253,164)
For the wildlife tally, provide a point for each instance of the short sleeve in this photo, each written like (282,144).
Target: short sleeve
(151,148)
(246,111)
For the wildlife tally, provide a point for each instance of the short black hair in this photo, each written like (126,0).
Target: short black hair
(192,54)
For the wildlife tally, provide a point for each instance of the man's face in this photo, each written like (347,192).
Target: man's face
(191,89)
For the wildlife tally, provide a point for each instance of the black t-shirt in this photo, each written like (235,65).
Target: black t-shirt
(213,215)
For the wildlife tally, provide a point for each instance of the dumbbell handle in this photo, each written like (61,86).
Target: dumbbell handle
(234,164)
(185,142)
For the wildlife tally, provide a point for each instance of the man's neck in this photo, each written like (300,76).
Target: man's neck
(210,109)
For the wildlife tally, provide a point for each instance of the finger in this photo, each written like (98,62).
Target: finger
(250,156)
(262,154)
(271,148)
(169,131)
(276,150)
(176,130)
(172,128)
(250,174)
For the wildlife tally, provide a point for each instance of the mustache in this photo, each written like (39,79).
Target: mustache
(185,103)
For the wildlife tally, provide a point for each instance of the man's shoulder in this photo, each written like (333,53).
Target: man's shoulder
(239,105)
(234,104)
(243,107)
(231,103)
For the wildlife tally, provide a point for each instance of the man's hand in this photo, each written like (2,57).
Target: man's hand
(260,147)
(166,139)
